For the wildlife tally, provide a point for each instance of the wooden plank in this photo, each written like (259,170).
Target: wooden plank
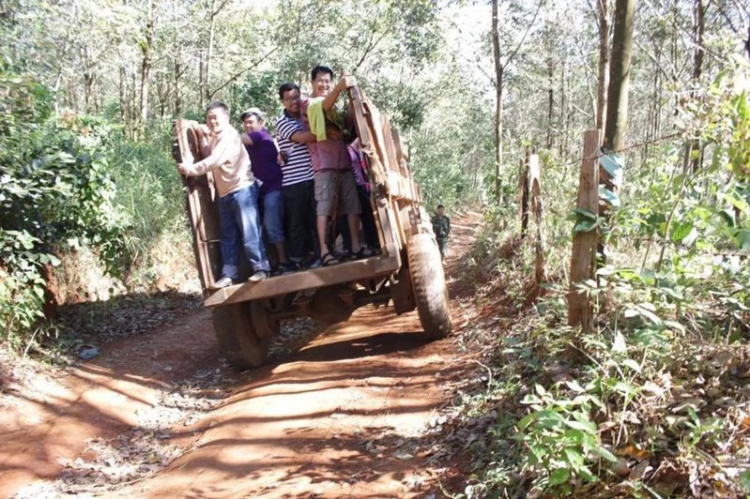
(376,171)
(410,186)
(583,259)
(309,279)
(184,152)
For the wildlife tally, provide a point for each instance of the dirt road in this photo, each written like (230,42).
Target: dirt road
(345,414)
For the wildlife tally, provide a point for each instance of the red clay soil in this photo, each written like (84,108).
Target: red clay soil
(343,416)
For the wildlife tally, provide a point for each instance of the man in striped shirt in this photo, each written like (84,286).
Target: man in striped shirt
(297,185)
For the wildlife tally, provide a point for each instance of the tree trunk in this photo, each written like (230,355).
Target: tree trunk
(177,95)
(619,81)
(201,79)
(88,87)
(696,152)
(146,47)
(561,127)
(209,51)
(499,101)
(601,94)
(550,101)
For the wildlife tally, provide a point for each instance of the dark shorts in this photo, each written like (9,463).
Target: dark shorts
(442,244)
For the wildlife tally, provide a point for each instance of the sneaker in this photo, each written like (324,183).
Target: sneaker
(258,276)
(222,283)
(287,268)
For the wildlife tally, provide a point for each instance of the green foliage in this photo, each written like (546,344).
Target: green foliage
(55,194)
(22,285)
(598,409)
(149,190)
(561,437)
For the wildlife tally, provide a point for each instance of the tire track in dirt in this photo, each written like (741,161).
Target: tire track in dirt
(344,416)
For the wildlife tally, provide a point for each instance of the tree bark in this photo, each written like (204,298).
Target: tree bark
(209,51)
(619,81)
(601,94)
(146,47)
(177,94)
(696,153)
(201,79)
(499,101)
(123,94)
(550,101)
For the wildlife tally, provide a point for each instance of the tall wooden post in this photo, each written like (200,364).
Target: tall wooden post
(535,200)
(583,260)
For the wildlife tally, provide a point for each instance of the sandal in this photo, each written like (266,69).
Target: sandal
(364,252)
(329,259)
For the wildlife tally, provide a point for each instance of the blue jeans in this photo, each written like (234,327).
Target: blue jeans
(240,227)
(273,216)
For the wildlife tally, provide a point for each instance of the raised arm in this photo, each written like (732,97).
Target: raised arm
(345,82)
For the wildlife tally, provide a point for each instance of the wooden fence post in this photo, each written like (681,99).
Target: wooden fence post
(523,181)
(583,260)
(535,197)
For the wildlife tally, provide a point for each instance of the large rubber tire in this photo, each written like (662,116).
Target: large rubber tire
(237,339)
(264,326)
(430,292)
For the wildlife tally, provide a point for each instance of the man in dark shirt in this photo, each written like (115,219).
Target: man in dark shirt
(265,166)
(441,225)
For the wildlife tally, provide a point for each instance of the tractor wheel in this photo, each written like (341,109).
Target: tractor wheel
(238,341)
(264,325)
(428,280)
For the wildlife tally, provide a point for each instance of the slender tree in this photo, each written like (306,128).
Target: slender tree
(619,80)
(499,68)
(603,83)
(699,26)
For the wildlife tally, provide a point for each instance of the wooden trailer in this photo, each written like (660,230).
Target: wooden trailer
(407,273)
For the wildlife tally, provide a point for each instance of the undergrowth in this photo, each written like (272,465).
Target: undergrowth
(654,399)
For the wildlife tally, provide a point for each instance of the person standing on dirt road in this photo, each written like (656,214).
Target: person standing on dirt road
(335,190)
(227,159)
(298,185)
(265,166)
(441,225)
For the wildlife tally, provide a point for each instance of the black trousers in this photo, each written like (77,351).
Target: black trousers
(369,227)
(299,218)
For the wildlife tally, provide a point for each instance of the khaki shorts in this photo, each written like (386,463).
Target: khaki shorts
(325,185)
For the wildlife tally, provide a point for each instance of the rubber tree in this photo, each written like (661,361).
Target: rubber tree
(619,76)
(601,90)
(617,102)
(499,68)
(699,27)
